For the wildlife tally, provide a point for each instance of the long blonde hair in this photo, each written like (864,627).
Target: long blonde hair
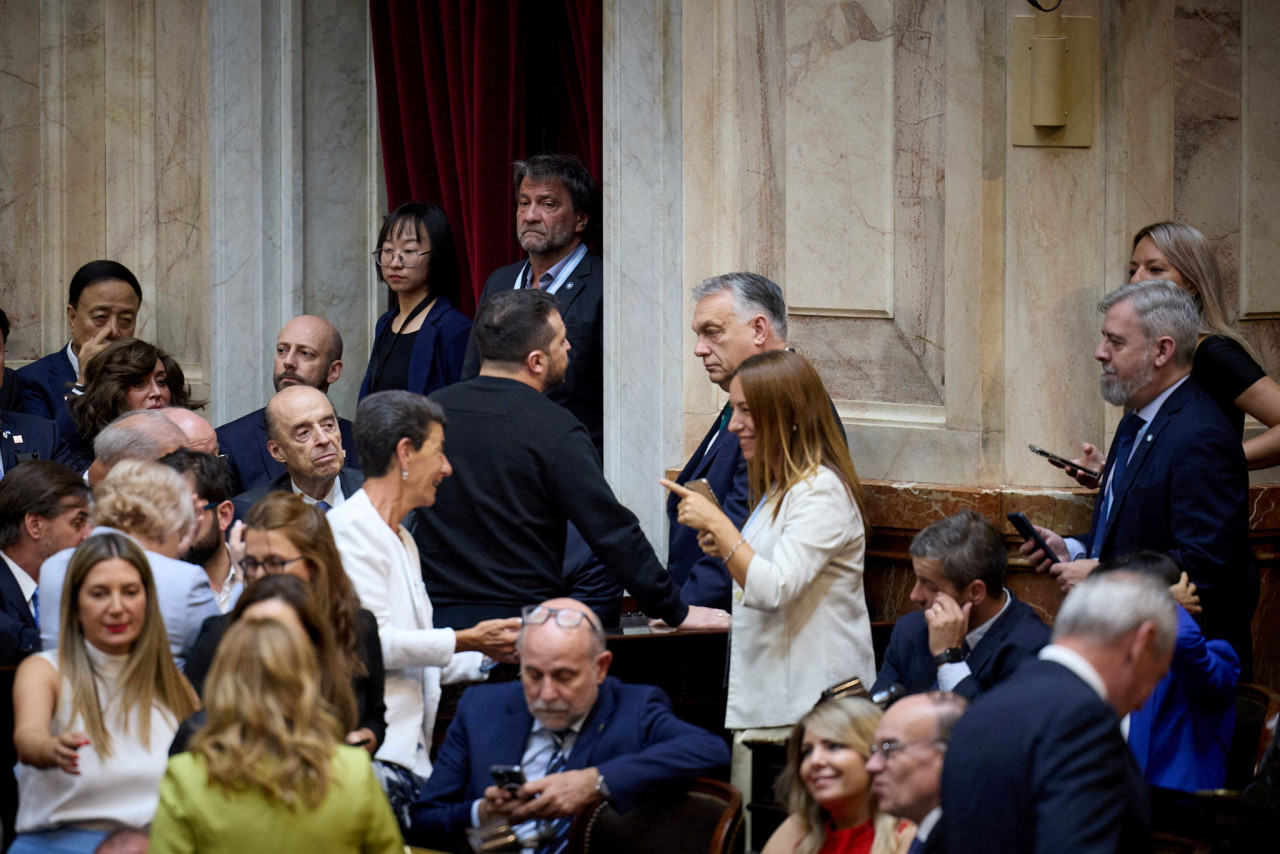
(850,721)
(268,726)
(149,677)
(796,429)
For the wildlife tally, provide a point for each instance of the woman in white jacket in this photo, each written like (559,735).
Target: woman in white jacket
(402,435)
(799,612)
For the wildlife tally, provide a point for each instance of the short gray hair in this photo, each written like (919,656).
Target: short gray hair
(1104,608)
(384,418)
(752,294)
(150,437)
(968,547)
(1163,309)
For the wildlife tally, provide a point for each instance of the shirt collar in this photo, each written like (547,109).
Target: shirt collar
(75,362)
(928,823)
(977,634)
(1077,664)
(333,497)
(25,582)
(1149,411)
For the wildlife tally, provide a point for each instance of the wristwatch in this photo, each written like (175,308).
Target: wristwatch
(951,655)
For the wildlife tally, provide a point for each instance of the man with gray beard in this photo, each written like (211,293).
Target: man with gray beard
(1176,480)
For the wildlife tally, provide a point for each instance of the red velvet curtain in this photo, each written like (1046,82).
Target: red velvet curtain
(467,86)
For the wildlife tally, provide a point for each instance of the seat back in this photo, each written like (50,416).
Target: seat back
(1257,710)
(705,819)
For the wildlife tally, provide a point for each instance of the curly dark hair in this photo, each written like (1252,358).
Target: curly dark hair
(110,374)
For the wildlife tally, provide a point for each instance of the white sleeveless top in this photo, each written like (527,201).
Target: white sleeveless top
(124,787)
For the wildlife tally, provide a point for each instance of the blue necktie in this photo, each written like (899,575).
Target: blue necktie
(35,606)
(324,506)
(1125,434)
(555,832)
(917,845)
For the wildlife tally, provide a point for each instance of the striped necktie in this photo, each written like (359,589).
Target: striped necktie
(555,832)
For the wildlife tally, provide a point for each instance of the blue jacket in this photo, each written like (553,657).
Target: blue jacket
(1181,735)
(45,384)
(1016,635)
(19,635)
(438,350)
(244,441)
(30,437)
(631,735)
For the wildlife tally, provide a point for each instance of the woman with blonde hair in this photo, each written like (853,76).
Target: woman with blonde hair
(826,788)
(799,611)
(268,772)
(93,719)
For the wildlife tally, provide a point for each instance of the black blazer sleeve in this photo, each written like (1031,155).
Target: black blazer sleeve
(369,688)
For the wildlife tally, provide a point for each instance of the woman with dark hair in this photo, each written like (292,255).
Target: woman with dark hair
(268,772)
(418,345)
(93,718)
(128,375)
(825,786)
(799,610)
(284,535)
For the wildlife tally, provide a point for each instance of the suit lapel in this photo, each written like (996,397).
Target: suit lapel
(13,600)
(579,280)
(508,740)
(696,466)
(592,730)
(995,635)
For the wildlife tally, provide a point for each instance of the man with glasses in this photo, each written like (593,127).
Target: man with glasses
(211,486)
(578,735)
(308,352)
(906,761)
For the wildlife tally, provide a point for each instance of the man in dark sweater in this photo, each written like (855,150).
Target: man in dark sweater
(523,466)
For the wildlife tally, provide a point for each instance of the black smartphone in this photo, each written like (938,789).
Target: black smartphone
(1063,461)
(1028,531)
(509,777)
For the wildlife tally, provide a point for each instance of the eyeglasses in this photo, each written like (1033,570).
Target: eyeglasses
(409,257)
(888,748)
(212,505)
(272,565)
(565,618)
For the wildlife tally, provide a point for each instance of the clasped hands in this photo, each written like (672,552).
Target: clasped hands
(554,796)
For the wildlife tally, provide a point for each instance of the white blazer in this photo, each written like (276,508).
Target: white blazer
(383,567)
(800,624)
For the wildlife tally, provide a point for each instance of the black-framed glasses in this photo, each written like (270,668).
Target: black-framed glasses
(212,505)
(888,748)
(272,565)
(409,257)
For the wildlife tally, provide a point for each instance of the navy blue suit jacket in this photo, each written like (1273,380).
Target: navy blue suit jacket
(39,436)
(244,441)
(581,303)
(1185,492)
(704,580)
(45,384)
(19,635)
(631,735)
(438,350)
(350,479)
(1016,635)
(1041,760)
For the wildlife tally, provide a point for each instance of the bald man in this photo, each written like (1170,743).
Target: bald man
(304,437)
(308,353)
(199,432)
(143,434)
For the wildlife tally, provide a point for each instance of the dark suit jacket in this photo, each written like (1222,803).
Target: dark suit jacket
(39,436)
(631,735)
(244,441)
(45,384)
(1040,762)
(581,301)
(1185,492)
(1016,635)
(11,392)
(438,349)
(523,468)
(350,479)
(704,580)
(19,635)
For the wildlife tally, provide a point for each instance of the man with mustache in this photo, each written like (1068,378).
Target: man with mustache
(308,352)
(1176,479)
(578,735)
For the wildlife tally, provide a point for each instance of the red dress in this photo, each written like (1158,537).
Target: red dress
(851,840)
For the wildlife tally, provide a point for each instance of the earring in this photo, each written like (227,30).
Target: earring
(404,474)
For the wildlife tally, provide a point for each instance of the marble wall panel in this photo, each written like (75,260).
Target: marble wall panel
(1260,115)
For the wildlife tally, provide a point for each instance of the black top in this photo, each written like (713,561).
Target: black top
(389,361)
(370,708)
(1224,370)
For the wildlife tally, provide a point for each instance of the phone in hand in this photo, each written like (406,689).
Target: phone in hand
(1064,462)
(507,777)
(1028,531)
(702,486)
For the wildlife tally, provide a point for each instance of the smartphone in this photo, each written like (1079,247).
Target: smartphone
(702,486)
(508,777)
(1028,531)
(1048,455)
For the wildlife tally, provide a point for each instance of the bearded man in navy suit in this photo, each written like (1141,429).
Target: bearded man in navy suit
(579,735)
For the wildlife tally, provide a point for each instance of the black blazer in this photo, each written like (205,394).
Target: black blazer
(46,383)
(244,441)
(1037,764)
(1185,492)
(581,302)
(1016,635)
(350,479)
(25,436)
(19,635)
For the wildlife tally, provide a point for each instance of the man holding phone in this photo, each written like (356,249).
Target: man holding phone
(577,735)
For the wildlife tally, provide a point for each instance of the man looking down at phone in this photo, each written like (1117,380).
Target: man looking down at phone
(1176,479)
(972,631)
(577,735)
